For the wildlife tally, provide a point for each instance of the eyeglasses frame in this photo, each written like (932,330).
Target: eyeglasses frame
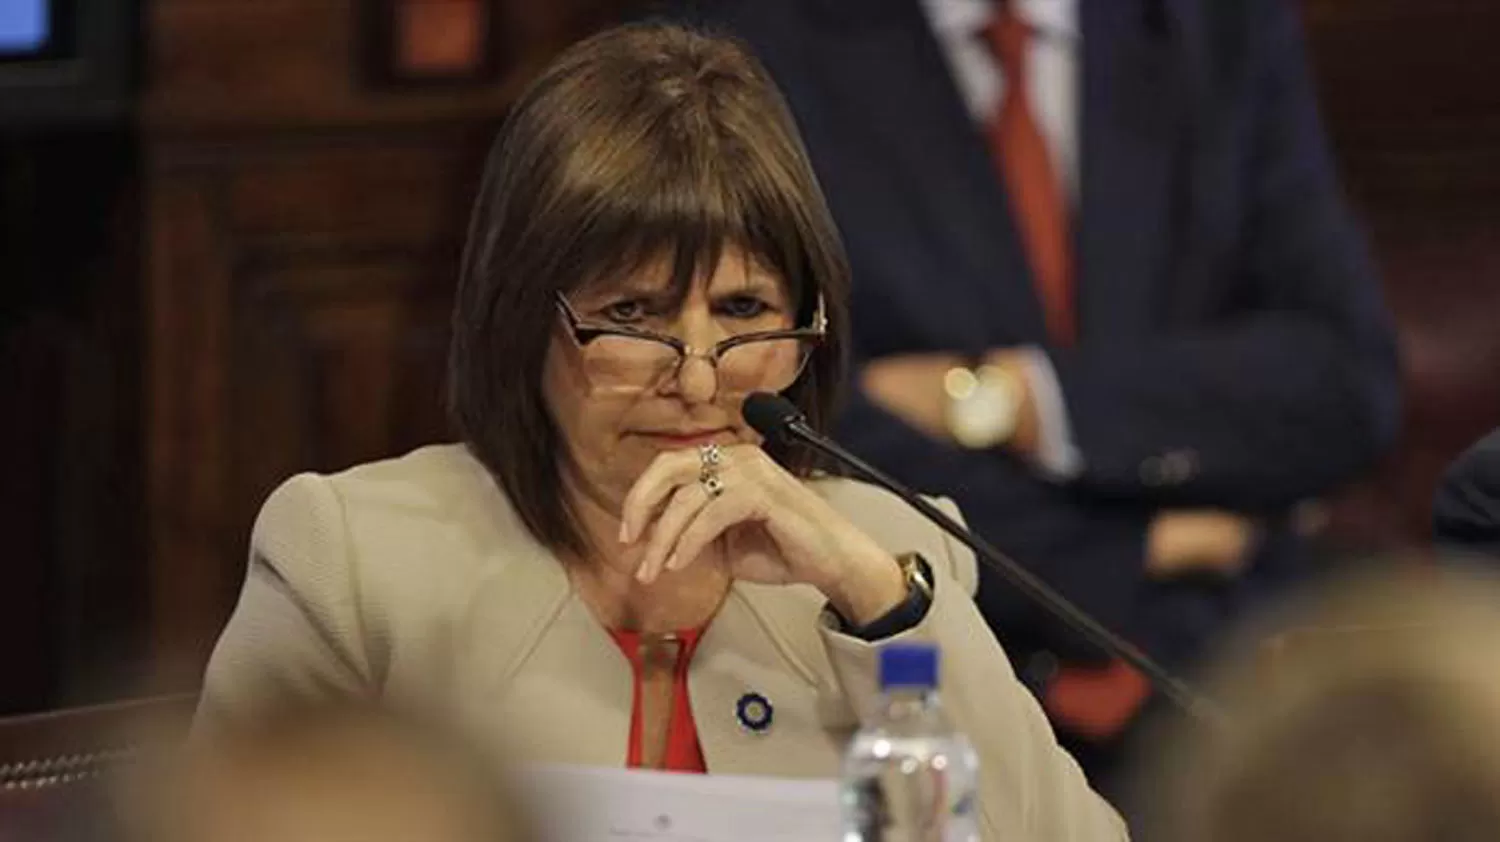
(584,333)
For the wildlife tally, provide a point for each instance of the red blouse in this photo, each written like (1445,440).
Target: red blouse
(683,754)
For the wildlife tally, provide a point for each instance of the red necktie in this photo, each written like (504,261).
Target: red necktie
(1031,177)
(1093,702)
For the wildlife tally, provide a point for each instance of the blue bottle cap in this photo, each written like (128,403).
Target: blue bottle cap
(908,666)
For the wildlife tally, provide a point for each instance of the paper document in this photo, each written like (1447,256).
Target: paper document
(575,804)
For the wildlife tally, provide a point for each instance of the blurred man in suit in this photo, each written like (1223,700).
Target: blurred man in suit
(1106,294)
(1466,511)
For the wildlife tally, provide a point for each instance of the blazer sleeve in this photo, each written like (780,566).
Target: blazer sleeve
(1030,788)
(1296,387)
(296,631)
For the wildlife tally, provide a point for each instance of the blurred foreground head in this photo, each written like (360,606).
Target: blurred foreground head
(1374,718)
(332,774)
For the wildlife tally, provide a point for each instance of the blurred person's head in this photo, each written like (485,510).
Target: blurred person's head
(1374,716)
(326,774)
(649,245)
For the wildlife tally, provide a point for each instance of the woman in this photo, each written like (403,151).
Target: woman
(611,570)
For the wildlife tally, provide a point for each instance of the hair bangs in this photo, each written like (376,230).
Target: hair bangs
(682,218)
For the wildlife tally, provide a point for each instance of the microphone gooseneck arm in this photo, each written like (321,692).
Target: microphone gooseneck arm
(777,418)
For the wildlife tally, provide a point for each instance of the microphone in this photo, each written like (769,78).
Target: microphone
(779,420)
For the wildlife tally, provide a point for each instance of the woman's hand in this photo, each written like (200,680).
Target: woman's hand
(776,530)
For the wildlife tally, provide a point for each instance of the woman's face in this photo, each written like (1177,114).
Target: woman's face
(619,403)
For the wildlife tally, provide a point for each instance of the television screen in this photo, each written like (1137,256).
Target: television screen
(65,61)
(25,27)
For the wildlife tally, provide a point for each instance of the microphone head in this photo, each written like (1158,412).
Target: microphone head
(770,415)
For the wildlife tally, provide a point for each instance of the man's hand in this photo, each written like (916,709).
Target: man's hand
(1187,541)
(910,387)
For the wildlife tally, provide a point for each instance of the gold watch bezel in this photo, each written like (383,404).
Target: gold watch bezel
(963,385)
(912,565)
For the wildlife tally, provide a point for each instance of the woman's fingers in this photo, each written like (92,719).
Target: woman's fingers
(654,487)
(681,508)
(716,518)
(801,538)
(672,502)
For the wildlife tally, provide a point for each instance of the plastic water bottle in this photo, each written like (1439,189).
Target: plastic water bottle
(910,776)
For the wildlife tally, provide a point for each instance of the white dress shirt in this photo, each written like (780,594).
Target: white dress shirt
(1053,84)
(1052,63)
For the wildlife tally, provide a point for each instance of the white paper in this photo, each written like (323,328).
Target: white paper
(576,804)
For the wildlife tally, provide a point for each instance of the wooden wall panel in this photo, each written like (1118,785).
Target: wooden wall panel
(304,230)
(69,413)
(280,64)
(1411,97)
(337,363)
(353,195)
(300,299)
(187,289)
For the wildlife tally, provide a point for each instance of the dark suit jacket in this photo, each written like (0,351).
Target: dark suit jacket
(1234,350)
(1466,511)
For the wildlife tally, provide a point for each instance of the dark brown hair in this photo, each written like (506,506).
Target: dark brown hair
(646,142)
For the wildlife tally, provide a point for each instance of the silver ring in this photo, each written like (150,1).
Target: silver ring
(710,457)
(712,485)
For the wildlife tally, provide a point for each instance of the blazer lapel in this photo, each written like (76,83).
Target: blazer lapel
(889,71)
(574,695)
(737,659)
(1131,133)
(541,672)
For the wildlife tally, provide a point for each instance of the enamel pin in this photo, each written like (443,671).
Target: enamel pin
(754,713)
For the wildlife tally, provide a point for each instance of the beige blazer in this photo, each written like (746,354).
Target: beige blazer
(414,580)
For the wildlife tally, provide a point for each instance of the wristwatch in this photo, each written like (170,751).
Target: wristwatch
(907,613)
(984,405)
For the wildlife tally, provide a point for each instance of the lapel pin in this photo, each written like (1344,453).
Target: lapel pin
(754,713)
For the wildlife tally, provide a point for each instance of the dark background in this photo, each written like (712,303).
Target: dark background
(245,273)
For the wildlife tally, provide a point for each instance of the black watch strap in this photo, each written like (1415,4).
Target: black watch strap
(908,613)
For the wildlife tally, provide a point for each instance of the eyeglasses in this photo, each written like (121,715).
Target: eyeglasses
(625,359)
